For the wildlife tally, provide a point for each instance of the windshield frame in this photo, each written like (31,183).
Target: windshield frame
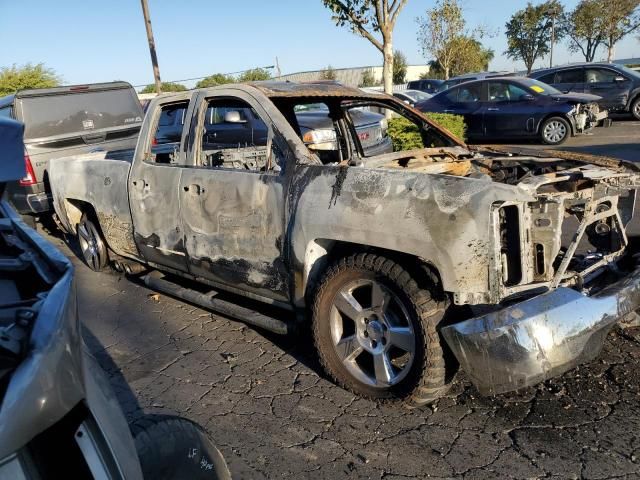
(547,90)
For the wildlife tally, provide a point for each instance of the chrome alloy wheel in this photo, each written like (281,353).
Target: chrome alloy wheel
(636,110)
(555,131)
(372,333)
(90,244)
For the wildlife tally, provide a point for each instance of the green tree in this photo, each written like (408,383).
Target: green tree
(16,78)
(374,21)
(437,31)
(443,36)
(473,57)
(255,75)
(166,87)
(529,34)
(622,17)
(215,79)
(583,27)
(328,73)
(368,79)
(399,68)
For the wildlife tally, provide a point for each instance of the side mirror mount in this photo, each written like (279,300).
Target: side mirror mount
(527,97)
(233,116)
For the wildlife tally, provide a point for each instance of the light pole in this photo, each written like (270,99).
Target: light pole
(152,46)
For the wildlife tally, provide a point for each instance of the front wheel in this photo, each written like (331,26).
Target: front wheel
(555,130)
(92,245)
(635,108)
(375,331)
(174,448)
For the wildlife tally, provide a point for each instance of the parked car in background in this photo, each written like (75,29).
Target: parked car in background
(617,85)
(517,107)
(64,121)
(428,85)
(468,77)
(371,251)
(412,97)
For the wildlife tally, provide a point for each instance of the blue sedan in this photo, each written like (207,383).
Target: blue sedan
(517,108)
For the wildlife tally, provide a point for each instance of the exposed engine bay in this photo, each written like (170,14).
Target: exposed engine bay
(573,224)
(24,281)
(587,116)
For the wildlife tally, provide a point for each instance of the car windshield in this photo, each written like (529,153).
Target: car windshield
(310,107)
(539,87)
(417,96)
(630,71)
(451,83)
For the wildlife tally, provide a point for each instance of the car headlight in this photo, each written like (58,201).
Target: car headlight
(321,139)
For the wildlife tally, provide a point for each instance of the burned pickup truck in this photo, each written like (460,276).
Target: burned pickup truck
(406,264)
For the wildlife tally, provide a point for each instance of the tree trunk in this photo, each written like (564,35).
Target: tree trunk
(610,53)
(387,67)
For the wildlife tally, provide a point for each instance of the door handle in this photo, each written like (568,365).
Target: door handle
(140,184)
(450,111)
(493,109)
(194,189)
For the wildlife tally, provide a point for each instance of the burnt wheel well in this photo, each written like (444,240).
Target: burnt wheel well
(75,210)
(424,272)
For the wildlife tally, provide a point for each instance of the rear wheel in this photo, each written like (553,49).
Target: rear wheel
(173,448)
(635,108)
(555,130)
(92,244)
(375,331)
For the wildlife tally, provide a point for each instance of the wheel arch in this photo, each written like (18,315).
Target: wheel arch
(562,115)
(321,252)
(74,209)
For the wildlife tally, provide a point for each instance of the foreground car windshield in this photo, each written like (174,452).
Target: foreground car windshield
(540,88)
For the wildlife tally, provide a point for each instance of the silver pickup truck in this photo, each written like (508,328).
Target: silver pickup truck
(407,264)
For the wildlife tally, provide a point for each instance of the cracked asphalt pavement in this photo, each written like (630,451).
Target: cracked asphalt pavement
(266,404)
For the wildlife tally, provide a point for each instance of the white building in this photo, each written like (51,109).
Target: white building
(353,76)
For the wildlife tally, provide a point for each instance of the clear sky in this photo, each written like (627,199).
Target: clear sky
(91,41)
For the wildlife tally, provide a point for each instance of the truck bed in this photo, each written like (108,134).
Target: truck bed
(99,179)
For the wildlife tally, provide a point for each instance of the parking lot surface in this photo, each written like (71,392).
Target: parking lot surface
(620,140)
(266,404)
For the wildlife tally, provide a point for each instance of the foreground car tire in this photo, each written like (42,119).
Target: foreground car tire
(92,245)
(173,448)
(375,331)
(635,108)
(555,130)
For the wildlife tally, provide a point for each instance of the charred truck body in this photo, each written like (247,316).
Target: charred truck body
(401,258)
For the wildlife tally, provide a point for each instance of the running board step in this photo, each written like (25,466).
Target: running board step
(210,301)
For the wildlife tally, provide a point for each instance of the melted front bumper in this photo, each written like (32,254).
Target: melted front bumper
(539,338)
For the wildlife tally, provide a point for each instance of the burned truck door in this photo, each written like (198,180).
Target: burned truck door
(232,201)
(153,186)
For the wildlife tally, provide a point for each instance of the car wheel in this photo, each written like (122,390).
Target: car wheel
(555,130)
(173,448)
(374,328)
(92,245)
(635,108)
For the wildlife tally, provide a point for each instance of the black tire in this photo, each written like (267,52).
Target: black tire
(173,448)
(425,378)
(93,247)
(555,130)
(635,108)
